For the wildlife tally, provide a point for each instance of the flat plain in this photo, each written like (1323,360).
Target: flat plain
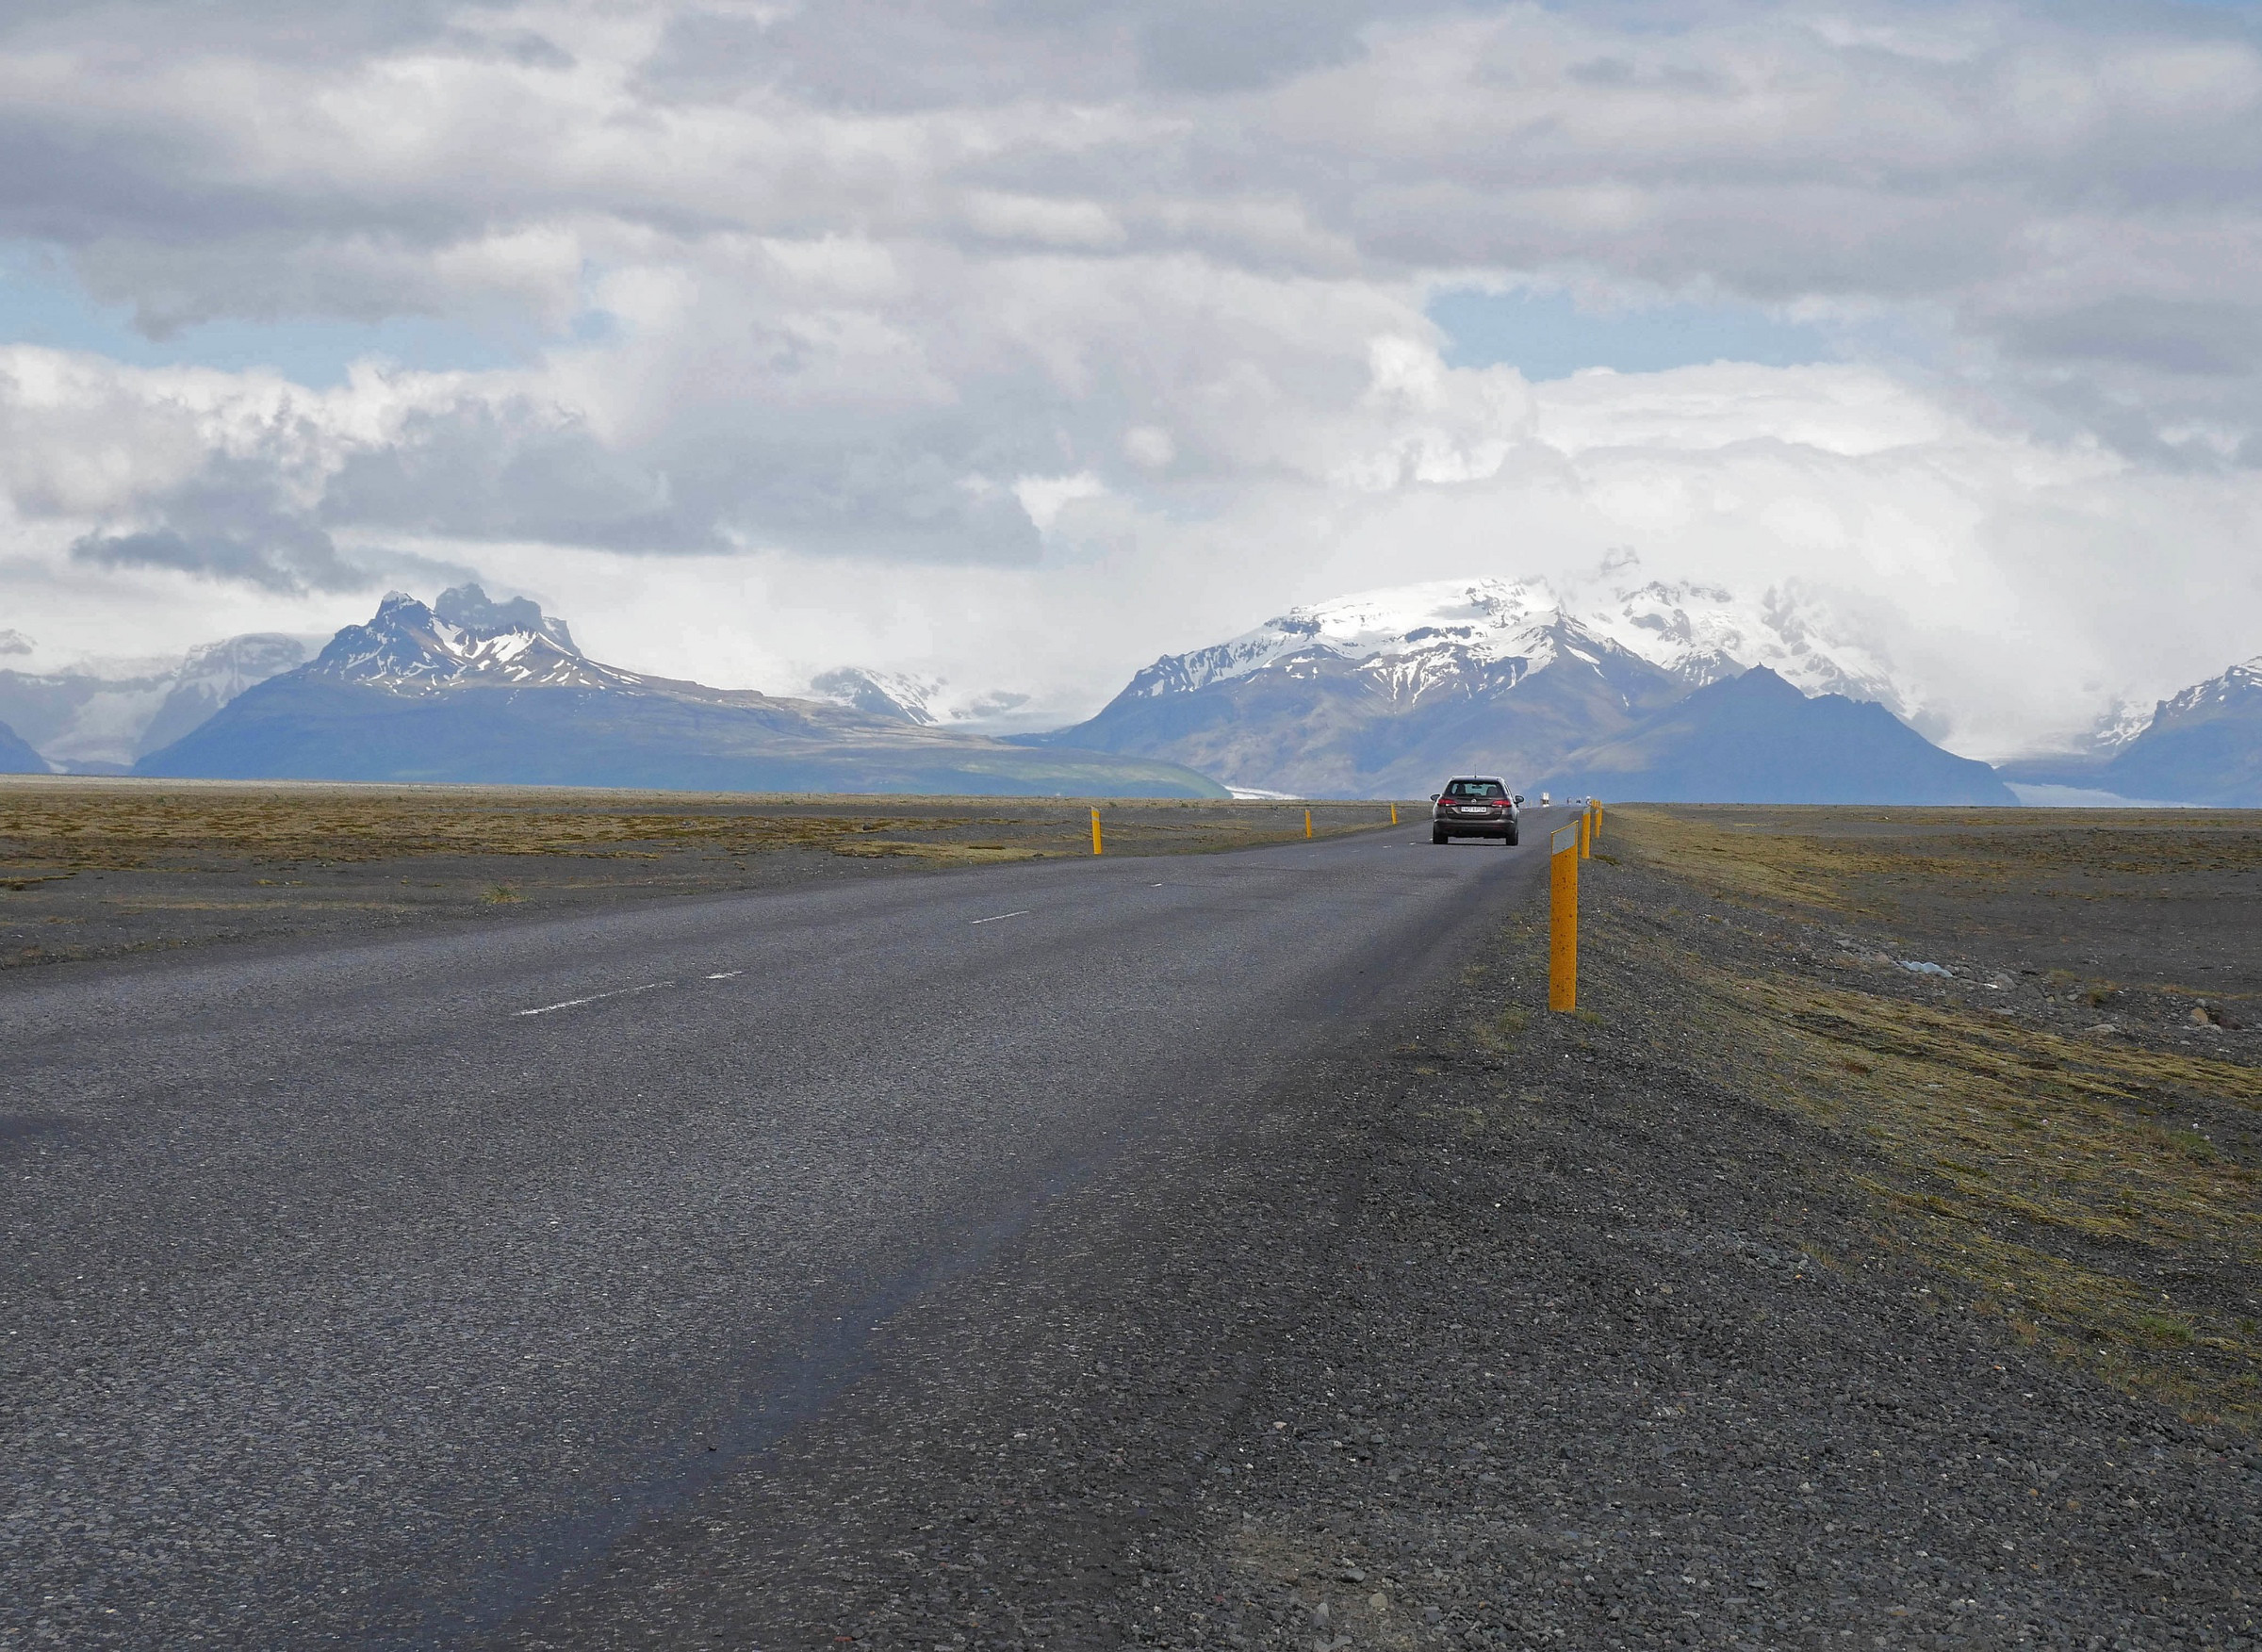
(96,868)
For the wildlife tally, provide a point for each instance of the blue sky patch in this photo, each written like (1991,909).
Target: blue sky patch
(42,304)
(1547,335)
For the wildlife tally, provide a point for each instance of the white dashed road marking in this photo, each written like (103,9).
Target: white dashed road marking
(595,997)
(728,976)
(1002,917)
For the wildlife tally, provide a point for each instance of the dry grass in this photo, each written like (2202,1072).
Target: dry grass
(2026,1164)
(55,825)
(952,854)
(1854,861)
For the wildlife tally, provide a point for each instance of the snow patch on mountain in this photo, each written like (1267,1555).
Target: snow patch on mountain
(2239,682)
(902,698)
(101,714)
(469,610)
(883,693)
(1413,636)
(408,647)
(2117,726)
(1701,633)
(1420,639)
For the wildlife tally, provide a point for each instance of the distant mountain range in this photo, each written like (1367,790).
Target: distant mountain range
(2204,745)
(905,699)
(101,720)
(471,689)
(1667,691)
(1384,693)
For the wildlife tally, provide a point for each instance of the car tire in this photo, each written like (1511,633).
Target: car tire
(1438,835)
(1511,839)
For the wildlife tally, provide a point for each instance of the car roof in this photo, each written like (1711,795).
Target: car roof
(1488,779)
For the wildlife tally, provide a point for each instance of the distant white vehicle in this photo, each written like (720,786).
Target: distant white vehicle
(1543,800)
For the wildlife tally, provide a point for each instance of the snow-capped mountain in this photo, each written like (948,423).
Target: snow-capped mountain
(1428,637)
(212,675)
(2237,689)
(102,716)
(471,689)
(462,638)
(1377,694)
(2202,746)
(1412,639)
(1382,691)
(1701,633)
(883,694)
(927,701)
(2116,727)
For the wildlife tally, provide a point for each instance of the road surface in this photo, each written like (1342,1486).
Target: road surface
(362,1294)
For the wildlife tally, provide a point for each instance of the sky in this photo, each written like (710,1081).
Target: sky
(1016,344)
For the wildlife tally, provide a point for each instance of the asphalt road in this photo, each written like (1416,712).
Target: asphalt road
(360,1295)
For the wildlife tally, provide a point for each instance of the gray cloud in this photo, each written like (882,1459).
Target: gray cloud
(2038,177)
(2183,336)
(289,558)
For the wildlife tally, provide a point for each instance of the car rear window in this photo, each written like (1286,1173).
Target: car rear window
(1476,788)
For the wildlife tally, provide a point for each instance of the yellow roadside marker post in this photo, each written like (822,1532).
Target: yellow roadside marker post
(1307,822)
(1563,921)
(1394,814)
(1597,807)
(1096,831)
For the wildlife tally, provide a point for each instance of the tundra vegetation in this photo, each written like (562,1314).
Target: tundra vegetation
(2067,1126)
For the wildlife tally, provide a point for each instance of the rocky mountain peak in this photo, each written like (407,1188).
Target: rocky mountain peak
(470,610)
(409,647)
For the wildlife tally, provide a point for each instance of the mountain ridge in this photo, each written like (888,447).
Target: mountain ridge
(85,721)
(17,755)
(503,696)
(1756,738)
(1377,693)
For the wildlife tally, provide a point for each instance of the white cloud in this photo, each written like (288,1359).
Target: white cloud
(1024,343)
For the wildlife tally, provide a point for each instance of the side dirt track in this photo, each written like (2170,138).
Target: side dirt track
(1785,1296)
(96,868)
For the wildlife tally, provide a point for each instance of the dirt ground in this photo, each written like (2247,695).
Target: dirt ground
(96,868)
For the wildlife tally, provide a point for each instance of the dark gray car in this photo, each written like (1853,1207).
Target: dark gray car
(1474,806)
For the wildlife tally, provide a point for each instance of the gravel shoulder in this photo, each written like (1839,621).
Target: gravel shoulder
(1785,1296)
